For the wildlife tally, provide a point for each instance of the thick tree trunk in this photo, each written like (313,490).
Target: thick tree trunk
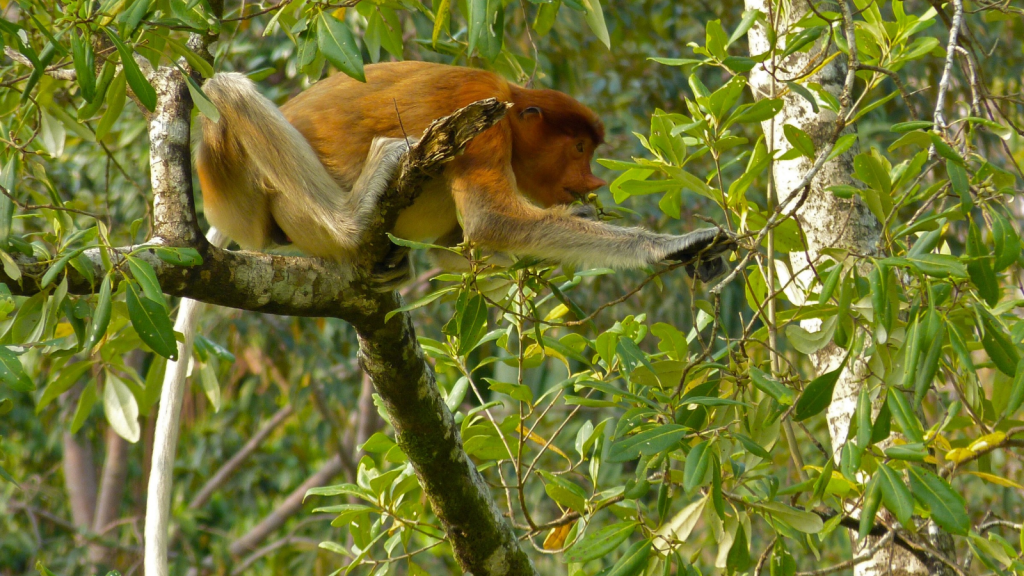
(827,221)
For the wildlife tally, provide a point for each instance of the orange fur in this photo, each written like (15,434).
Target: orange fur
(314,170)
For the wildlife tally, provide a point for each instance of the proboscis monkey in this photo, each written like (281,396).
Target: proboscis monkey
(312,172)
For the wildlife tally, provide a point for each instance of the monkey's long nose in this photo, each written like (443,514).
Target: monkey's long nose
(593,183)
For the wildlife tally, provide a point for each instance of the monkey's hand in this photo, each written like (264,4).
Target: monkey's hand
(703,251)
(584,211)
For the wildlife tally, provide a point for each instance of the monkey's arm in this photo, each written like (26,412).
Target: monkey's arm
(500,219)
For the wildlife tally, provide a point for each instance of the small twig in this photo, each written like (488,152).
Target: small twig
(55,71)
(896,80)
(954,34)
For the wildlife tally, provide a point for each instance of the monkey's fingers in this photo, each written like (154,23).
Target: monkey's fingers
(704,243)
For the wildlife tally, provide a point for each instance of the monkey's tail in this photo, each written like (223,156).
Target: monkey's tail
(262,182)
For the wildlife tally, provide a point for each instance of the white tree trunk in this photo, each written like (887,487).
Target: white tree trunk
(826,220)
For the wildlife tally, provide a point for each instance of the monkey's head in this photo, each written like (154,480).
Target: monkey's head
(553,142)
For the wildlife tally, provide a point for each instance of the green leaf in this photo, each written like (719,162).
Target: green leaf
(144,274)
(810,342)
(738,559)
(520,392)
(339,46)
(938,265)
(945,150)
(870,171)
(67,378)
(980,266)
(133,16)
(120,407)
(1007,242)
(842,145)
(895,494)
(115,104)
(782,562)
(997,343)
(486,27)
(442,17)
(101,315)
(152,323)
(771,387)
(564,491)
(759,111)
(601,543)
(948,508)
(143,89)
(915,452)
(12,373)
(211,386)
(595,19)
(714,39)
(806,522)
(697,465)
(818,394)
(203,103)
(646,443)
(934,338)
(86,400)
(197,63)
(85,66)
(959,181)
(904,416)
(956,340)
(800,140)
(178,256)
(471,314)
(915,138)
(870,508)
(1016,397)
(633,561)
(58,266)
(752,446)
(913,125)
(1004,132)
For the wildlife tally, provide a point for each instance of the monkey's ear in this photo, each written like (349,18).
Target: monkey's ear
(529,112)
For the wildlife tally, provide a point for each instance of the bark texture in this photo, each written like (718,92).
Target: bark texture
(482,540)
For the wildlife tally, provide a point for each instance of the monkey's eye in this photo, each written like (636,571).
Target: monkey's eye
(579,147)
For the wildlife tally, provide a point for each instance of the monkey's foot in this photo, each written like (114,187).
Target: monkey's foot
(396,269)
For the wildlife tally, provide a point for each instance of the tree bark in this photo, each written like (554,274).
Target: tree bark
(483,541)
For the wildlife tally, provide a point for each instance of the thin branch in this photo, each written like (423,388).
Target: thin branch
(947,70)
(55,71)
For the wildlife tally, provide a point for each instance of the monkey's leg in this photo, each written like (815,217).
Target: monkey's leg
(379,171)
(381,168)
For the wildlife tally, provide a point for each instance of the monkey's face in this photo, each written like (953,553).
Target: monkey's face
(555,169)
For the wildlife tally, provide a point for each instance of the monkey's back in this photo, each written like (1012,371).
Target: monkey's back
(340,116)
